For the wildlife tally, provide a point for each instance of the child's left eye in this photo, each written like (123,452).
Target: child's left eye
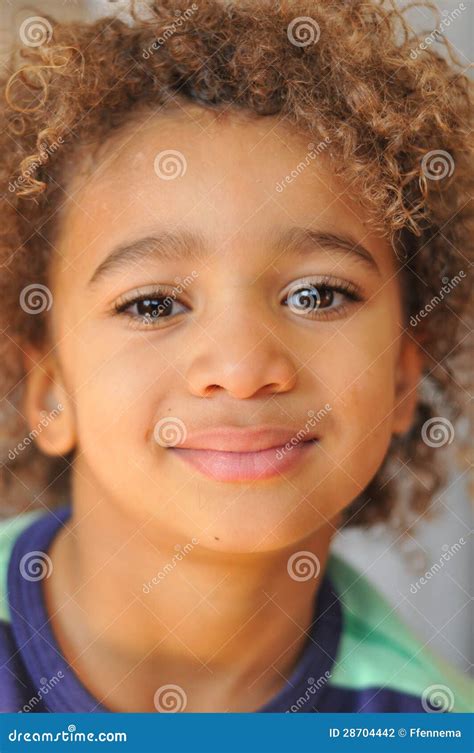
(320,299)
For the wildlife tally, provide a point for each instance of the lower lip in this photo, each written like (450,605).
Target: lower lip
(244,466)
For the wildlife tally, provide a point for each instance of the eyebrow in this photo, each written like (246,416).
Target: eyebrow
(181,245)
(165,246)
(301,240)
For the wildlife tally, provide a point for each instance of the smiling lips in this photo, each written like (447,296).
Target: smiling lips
(244,453)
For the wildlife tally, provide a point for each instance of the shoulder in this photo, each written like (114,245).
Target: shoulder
(378,649)
(10,530)
(14,683)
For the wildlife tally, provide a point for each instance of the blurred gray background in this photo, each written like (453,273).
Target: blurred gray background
(439,611)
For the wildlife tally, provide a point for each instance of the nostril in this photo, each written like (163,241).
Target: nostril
(211,389)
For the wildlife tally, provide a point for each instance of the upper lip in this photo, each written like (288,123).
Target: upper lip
(244,438)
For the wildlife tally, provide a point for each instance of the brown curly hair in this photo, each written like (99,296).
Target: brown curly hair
(394,111)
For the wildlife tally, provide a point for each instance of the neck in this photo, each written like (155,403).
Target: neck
(133,612)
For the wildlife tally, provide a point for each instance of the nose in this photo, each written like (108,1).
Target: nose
(242,357)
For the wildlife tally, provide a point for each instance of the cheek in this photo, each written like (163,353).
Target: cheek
(358,377)
(119,391)
(364,407)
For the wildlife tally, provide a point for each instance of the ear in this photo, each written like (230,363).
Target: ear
(409,369)
(47,405)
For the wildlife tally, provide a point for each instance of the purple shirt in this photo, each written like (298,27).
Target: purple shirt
(35,676)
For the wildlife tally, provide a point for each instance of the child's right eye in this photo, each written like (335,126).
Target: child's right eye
(152,309)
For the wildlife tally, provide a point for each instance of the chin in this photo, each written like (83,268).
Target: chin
(269,526)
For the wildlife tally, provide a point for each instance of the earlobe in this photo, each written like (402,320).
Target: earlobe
(47,405)
(408,374)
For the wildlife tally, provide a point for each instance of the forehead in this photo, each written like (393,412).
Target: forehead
(220,171)
(206,140)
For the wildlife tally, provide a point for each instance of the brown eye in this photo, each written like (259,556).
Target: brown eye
(154,308)
(304,299)
(326,297)
(311,298)
(320,298)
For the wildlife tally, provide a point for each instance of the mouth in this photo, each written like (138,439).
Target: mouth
(237,466)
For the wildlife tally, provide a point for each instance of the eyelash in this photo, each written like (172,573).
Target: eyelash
(325,282)
(151,295)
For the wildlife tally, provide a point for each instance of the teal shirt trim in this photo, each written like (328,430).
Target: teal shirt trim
(10,529)
(378,650)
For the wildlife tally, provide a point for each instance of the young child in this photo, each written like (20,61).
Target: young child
(223,228)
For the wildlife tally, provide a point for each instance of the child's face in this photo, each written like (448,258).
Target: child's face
(225,350)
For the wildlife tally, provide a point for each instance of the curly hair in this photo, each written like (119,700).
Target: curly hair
(394,111)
